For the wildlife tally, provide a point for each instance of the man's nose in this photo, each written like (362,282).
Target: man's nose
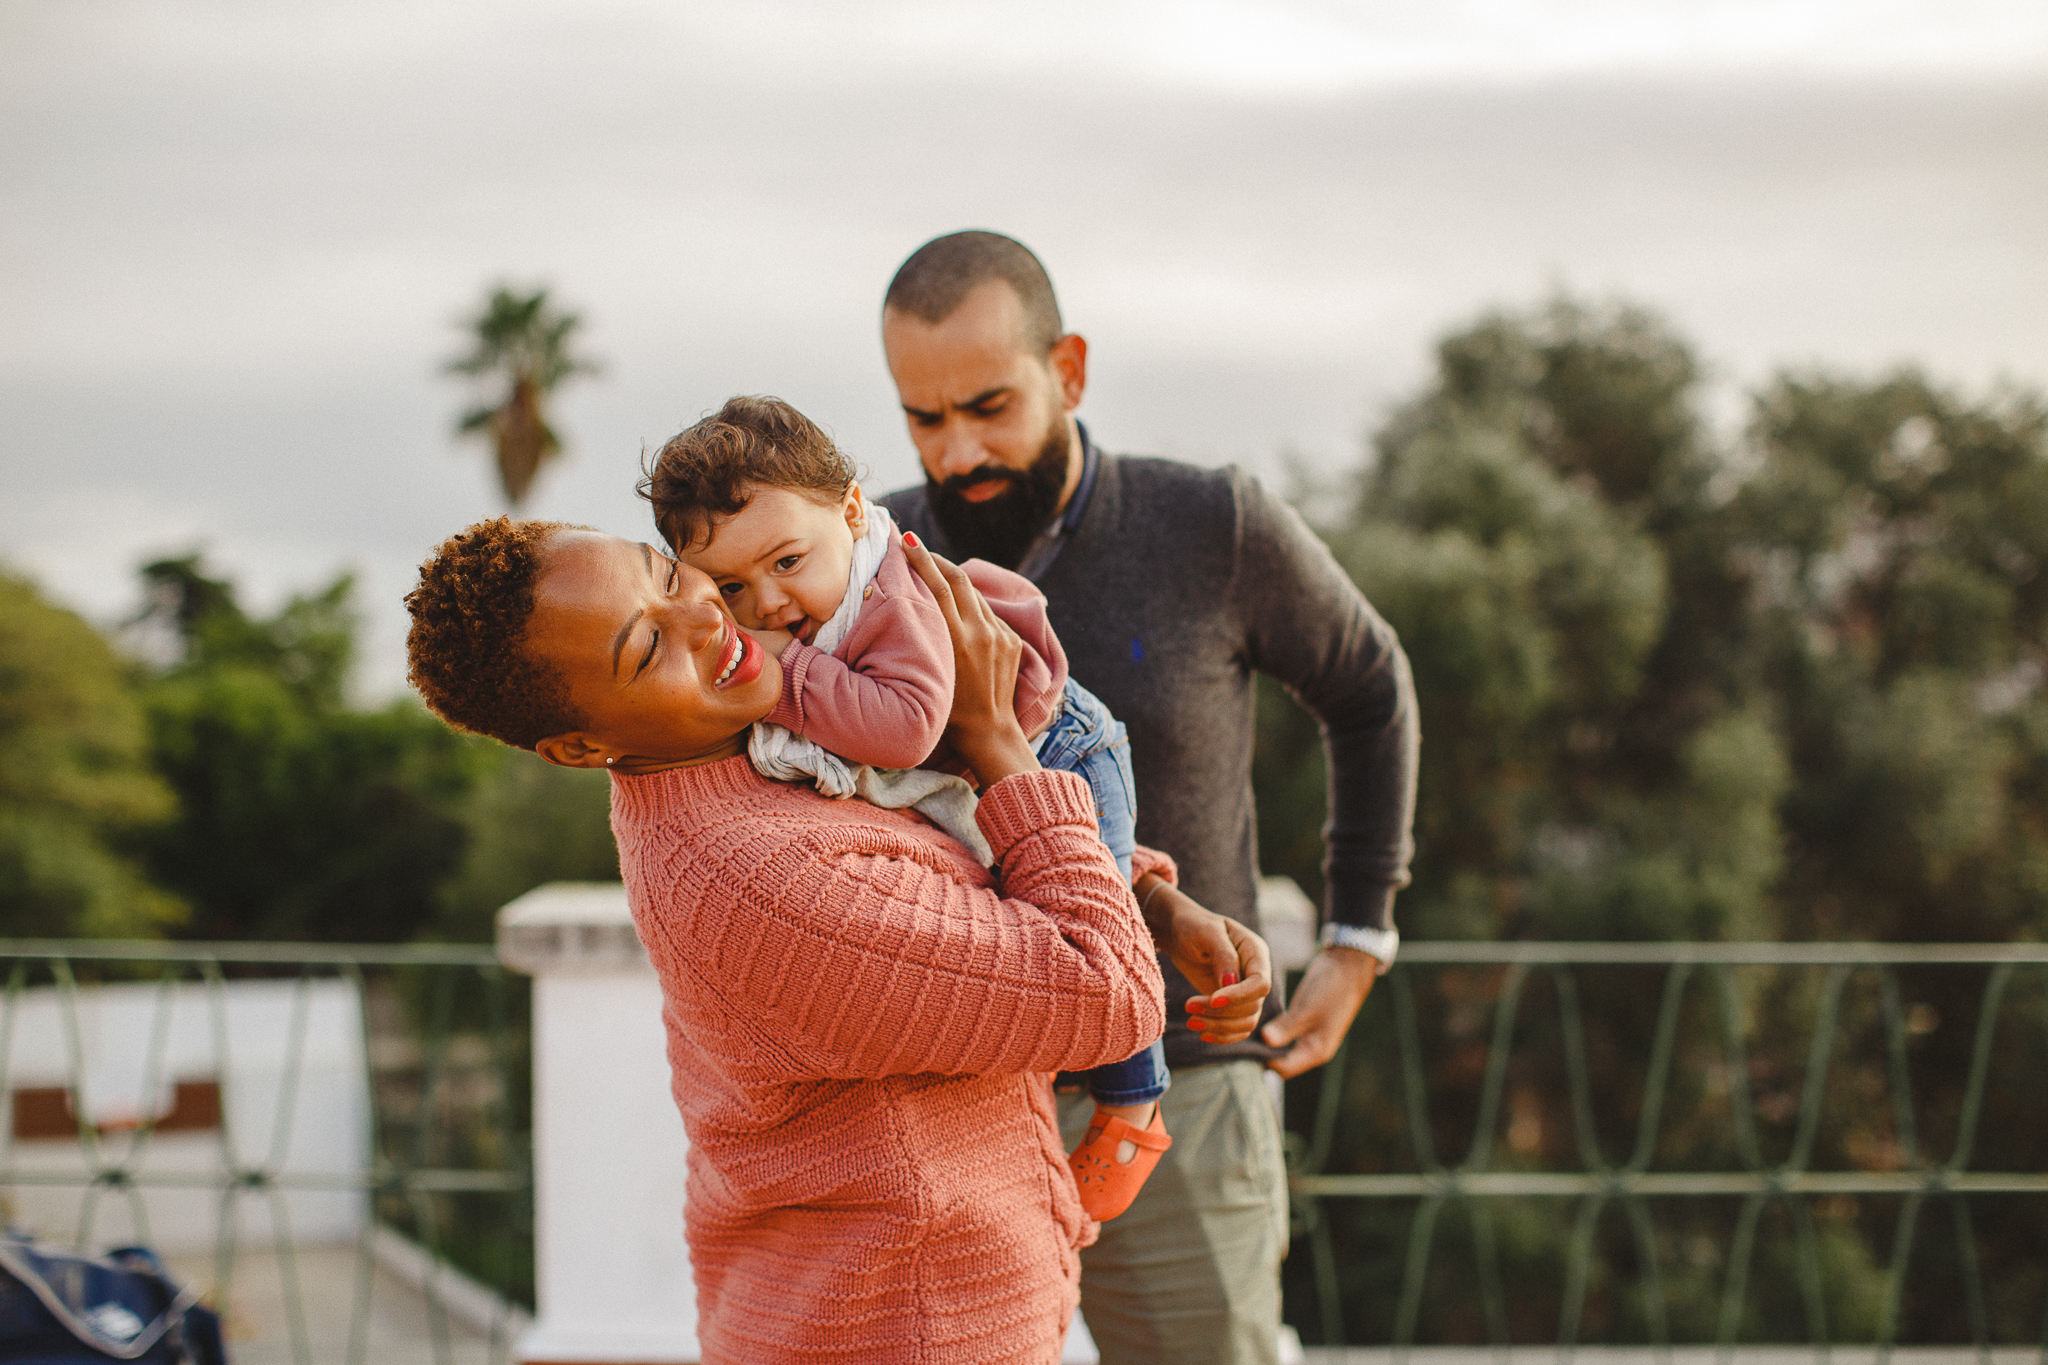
(963,452)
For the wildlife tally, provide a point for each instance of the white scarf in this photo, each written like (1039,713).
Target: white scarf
(785,756)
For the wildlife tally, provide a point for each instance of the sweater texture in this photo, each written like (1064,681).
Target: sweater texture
(1172,589)
(883,697)
(860,1023)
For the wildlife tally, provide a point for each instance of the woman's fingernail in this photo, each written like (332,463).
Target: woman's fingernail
(1194,1005)
(910,539)
(1229,979)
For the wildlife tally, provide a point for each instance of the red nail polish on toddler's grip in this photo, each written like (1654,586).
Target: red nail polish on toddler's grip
(910,539)
(1229,980)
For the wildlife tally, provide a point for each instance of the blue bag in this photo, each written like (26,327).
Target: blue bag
(57,1309)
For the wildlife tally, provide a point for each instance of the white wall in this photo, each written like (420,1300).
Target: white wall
(247,1037)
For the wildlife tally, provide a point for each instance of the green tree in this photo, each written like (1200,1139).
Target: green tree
(302,817)
(1893,539)
(75,787)
(528,822)
(524,344)
(1538,526)
(299,817)
(1789,686)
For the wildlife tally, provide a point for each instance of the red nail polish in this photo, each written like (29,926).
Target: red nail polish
(1230,978)
(1194,1005)
(910,539)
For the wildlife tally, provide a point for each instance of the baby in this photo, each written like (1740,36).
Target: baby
(764,503)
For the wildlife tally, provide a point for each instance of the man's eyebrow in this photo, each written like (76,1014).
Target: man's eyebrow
(985,396)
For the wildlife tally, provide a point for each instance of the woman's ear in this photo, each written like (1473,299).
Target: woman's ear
(575,750)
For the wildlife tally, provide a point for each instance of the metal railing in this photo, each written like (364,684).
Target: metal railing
(1446,1050)
(436,1174)
(1612,1161)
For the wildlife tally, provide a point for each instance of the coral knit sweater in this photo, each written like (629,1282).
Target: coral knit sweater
(859,1020)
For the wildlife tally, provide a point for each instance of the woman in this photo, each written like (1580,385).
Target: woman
(860,1016)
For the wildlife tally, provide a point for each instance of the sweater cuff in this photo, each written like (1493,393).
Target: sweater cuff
(1382,944)
(1029,802)
(1151,860)
(1362,907)
(789,707)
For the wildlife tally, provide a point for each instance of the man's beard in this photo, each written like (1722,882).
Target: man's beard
(1002,529)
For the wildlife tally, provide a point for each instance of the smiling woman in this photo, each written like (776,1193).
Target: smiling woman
(861,1017)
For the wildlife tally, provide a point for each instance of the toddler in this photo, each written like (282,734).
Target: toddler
(764,503)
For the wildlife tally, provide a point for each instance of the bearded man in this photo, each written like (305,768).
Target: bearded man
(1170,587)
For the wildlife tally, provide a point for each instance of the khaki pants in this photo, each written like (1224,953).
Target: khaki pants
(1190,1273)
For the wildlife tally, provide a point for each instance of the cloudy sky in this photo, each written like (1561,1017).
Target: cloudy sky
(235,237)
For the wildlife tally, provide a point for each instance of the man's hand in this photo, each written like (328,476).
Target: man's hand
(1324,1004)
(1221,958)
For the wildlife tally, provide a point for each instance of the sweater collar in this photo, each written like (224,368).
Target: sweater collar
(672,792)
(1053,538)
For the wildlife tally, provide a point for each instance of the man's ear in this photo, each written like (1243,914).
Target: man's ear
(574,750)
(1069,361)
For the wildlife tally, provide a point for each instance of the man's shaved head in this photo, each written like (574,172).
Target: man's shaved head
(942,272)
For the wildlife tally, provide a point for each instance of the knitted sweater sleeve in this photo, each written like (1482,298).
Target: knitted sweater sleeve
(871,966)
(885,695)
(1308,627)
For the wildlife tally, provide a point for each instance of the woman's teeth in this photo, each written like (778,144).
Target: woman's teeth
(734,662)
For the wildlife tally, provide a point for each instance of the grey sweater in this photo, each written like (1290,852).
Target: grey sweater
(1176,584)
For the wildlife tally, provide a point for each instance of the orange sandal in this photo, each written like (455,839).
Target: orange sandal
(1107,1185)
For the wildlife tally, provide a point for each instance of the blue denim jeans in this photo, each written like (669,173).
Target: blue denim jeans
(1085,739)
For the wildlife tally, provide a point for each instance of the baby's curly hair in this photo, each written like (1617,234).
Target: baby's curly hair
(466,650)
(705,471)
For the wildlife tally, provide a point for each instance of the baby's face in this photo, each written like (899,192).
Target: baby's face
(781,561)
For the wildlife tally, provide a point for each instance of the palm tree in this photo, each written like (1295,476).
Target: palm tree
(523,342)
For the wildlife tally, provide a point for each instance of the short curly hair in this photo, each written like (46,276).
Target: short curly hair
(707,471)
(466,652)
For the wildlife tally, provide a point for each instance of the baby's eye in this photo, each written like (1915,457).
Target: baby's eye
(730,589)
(787,562)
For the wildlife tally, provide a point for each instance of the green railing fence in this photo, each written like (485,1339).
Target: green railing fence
(1639,1088)
(441,1065)
(1694,1091)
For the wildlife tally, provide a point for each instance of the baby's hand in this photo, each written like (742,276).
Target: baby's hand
(774,641)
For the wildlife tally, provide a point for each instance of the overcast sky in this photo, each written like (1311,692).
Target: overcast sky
(235,237)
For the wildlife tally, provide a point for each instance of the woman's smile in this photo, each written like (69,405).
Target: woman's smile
(656,664)
(739,660)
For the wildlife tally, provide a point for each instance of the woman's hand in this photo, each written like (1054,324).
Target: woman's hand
(983,728)
(1221,958)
